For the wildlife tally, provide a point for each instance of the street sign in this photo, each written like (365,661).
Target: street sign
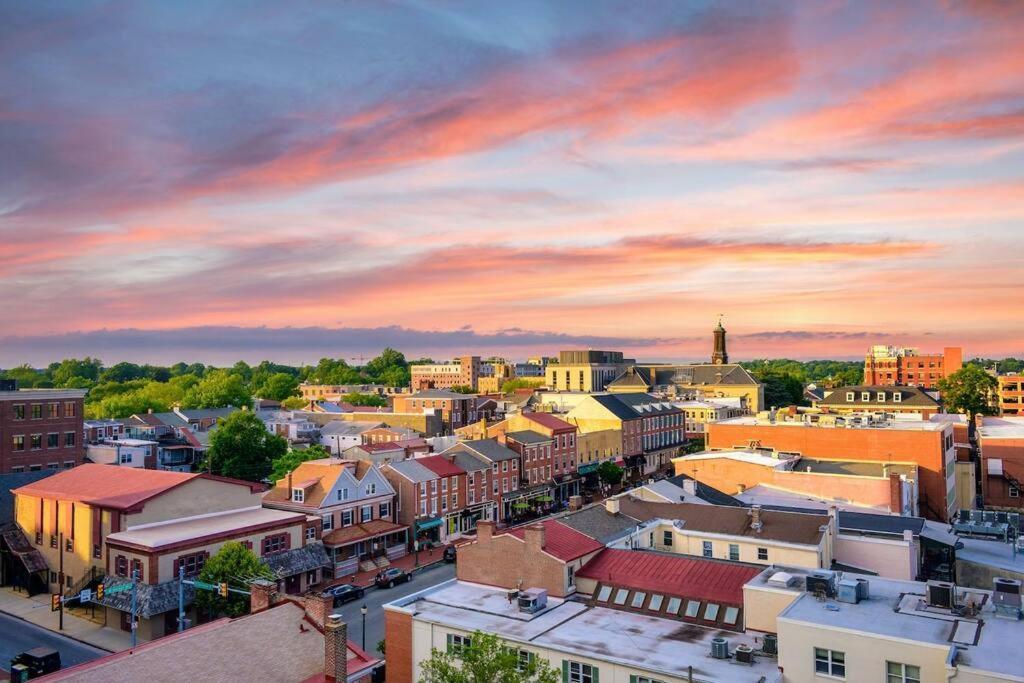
(202,585)
(85,595)
(120,588)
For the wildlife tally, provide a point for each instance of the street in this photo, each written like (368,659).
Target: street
(16,636)
(376,598)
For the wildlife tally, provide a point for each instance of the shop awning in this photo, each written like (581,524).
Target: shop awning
(521,506)
(429,524)
(588,468)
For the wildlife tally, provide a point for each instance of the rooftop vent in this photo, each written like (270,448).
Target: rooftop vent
(784,579)
(720,648)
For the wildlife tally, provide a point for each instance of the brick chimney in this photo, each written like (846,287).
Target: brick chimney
(895,493)
(755,518)
(261,595)
(612,506)
(335,649)
(534,537)
(484,530)
(318,607)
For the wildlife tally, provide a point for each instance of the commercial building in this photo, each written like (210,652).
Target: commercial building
(504,478)
(585,370)
(904,366)
(873,398)
(698,414)
(456,410)
(1001,442)
(1011,394)
(464,371)
(875,439)
(40,429)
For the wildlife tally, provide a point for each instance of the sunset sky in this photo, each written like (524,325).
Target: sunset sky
(180,180)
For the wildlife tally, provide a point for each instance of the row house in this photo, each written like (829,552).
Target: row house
(123,452)
(505,473)
(355,505)
(564,449)
(97,523)
(456,410)
(382,434)
(339,435)
(96,431)
(40,429)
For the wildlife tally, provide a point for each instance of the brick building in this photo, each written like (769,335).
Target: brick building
(41,429)
(1011,394)
(504,477)
(901,366)
(456,410)
(928,444)
(1001,441)
(464,371)
(878,398)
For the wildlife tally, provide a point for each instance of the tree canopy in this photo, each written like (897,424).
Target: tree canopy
(610,473)
(218,389)
(485,659)
(358,399)
(968,390)
(286,463)
(241,447)
(237,566)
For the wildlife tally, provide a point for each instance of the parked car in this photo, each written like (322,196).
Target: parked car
(449,554)
(38,661)
(390,577)
(345,592)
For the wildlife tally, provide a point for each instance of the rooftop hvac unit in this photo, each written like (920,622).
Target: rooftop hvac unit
(941,594)
(720,648)
(1003,585)
(533,600)
(744,654)
(770,644)
(863,589)
(822,582)
(846,591)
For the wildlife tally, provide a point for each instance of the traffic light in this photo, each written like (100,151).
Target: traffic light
(99,592)
(223,590)
(54,602)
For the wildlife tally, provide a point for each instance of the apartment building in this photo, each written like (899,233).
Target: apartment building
(464,371)
(586,371)
(41,429)
(904,366)
(927,443)
(504,479)
(1011,394)
(456,410)
(96,431)
(1001,443)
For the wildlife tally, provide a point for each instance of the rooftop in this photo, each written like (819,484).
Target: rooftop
(562,541)
(549,421)
(441,394)
(751,457)
(889,425)
(488,448)
(119,488)
(412,470)
(1009,427)
(655,644)
(441,466)
(909,396)
(192,530)
(528,437)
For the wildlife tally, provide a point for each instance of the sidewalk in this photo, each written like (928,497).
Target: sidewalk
(406,562)
(36,610)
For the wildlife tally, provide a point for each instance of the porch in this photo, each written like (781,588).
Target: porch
(366,546)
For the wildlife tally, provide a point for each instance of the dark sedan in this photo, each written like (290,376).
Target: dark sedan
(346,592)
(390,577)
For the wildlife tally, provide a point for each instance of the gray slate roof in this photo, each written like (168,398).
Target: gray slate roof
(698,374)
(707,493)
(151,600)
(909,396)
(528,437)
(488,448)
(879,524)
(412,470)
(469,462)
(596,522)
(298,560)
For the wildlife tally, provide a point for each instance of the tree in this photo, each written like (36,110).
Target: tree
(462,389)
(26,376)
(217,389)
(122,372)
(294,403)
(968,390)
(388,358)
(293,458)
(237,566)
(780,389)
(486,659)
(241,447)
(69,368)
(610,473)
(365,400)
(331,371)
(510,385)
(278,387)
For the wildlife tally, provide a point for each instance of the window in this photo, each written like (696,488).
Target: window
(366,513)
(69,439)
(666,538)
(731,615)
(896,672)
(192,564)
(711,612)
(121,565)
(298,495)
(620,596)
(638,599)
(655,604)
(643,679)
(525,660)
(126,458)
(37,411)
(346,517)
(37,442)
(571,575)
(19,411)
(69,409)
(371,489)
(275,544)
(384,510)
(604,593)
(830,662)
(328,522)
(504,465)
(762,553)
(52,466)
(1014,492)
(692,608)
(19,442)
(458,644)
(310,533)
(708,548)
(52,410)
(897,397)
(734,552)
(673,606)
(52,440)
(578,672)
(881,397)
(865,396)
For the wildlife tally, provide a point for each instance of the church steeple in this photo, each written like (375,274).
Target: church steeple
(719,356)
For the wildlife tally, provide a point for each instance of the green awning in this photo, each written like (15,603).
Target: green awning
(588,468)
(521,506)
(428,524)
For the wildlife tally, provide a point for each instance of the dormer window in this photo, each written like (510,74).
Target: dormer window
(881,397)
(897,397)
(371,489)
(849,397)
(298,495)
(865,395)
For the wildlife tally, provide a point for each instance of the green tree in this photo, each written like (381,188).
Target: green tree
(365,400)
(278,387)
(510,385)
(388,358)
(294,403)
(242,369)
(486,659)
(968,390)
(780,389)
(69,368)
(217,389)
(463,389)
(610,473)
(122,372)
(331,371)
(241,447)
(295,457)
(26,376)
(237,566)
(395,377)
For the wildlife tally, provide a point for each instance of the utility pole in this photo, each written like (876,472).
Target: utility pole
(135,592)
(181,598)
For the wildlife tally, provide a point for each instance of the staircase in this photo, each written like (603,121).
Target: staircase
(88,578)
(367,565)
(382,562)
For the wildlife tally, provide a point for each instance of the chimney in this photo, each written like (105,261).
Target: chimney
(149,411)
(534,537)
(755,518)
(318,607)
(289,485)
(484,530)
(335,649)
(261,595)
(740,488)
(690,487)
(612,506)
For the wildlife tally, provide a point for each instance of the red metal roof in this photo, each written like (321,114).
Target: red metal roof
(441,466)
(107,486)
(562,541)
(550,421)
(690,577)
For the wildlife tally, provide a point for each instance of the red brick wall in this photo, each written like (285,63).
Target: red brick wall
(398,636)
(995,490)
(503,561)
(61,425)
(925,448)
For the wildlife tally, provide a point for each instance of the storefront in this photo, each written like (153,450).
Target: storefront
(528,503)
(428,530)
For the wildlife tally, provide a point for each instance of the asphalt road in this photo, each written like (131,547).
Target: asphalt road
(16,636)
(375,598)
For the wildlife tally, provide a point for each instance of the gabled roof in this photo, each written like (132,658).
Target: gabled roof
(412,470)
(486,448)
(616,407)
(108,486)
(468,462)
(909,396)
(318,478)
(645,404)
(700,374)
(206,413)
(528,436)
(594,521)
(707,493)
(692,577)
(562,541)
(640,378)
(549,421)
(347,427)
(441,466)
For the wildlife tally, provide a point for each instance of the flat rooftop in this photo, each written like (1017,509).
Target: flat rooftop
(1008,427)
(162,534)
(896,609)
(658,645)
(751,457)
(888,426)
(767,496)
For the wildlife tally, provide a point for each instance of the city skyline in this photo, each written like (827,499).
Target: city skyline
(510,179)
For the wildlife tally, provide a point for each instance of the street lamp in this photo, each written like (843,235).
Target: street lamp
(363,611)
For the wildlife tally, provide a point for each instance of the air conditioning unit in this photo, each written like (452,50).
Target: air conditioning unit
(533,600)
(770,644)
(744,654)
(720,648)
(1004,585)
(941,594)
(847,592)
(821,582)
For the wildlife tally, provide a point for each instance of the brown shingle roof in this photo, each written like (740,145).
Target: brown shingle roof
(787,527)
